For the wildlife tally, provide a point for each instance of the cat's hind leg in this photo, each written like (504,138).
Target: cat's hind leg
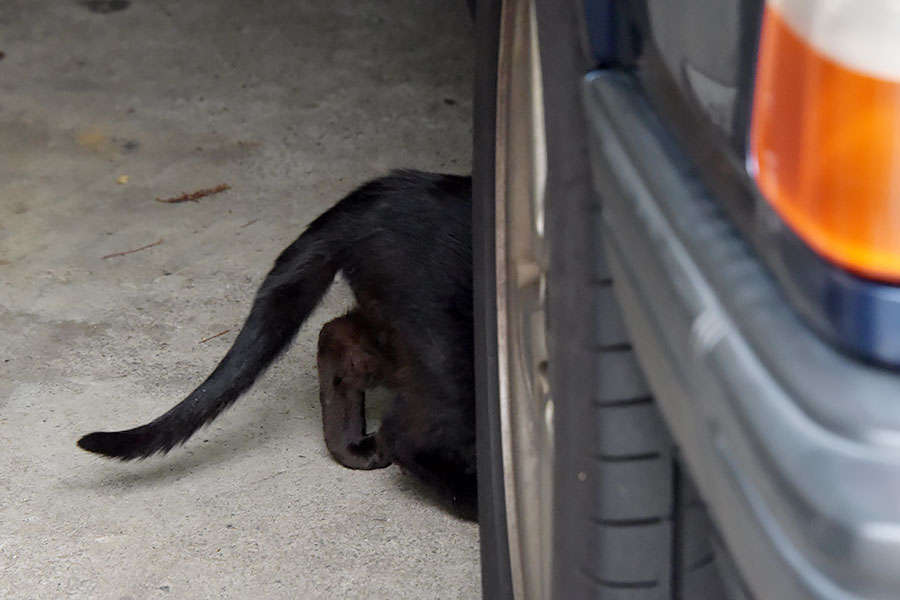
(440,454)
(348,365)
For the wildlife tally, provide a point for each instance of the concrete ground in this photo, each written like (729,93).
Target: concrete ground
(292,104)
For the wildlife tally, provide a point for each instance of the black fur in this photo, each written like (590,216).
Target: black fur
(403,242)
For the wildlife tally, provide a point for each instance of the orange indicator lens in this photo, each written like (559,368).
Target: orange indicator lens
(825,146)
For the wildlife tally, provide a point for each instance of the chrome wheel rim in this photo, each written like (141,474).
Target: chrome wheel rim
(526,405)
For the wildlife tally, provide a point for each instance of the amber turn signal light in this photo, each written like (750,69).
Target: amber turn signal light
(825,130)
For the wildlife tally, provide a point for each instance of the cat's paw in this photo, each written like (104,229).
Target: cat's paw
(363,454)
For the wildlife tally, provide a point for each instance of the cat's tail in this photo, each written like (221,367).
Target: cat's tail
(290,292)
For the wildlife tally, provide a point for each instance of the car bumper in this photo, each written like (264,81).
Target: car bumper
(794,446)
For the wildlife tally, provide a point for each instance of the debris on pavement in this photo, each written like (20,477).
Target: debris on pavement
(212,337)
(194,196)
(156,243)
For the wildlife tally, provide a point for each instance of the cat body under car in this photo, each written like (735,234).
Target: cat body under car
(403,243)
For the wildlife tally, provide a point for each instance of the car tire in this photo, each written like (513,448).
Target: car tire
(626,520)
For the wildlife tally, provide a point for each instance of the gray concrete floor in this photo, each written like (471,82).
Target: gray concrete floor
(292,104)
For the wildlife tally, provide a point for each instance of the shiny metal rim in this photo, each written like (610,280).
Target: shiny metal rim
(526,406)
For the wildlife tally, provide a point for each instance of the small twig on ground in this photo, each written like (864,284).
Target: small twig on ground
(194,196)
(249,223)
(157,243)
(212,337)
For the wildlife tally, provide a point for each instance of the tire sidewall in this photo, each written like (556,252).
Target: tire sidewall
(568,198)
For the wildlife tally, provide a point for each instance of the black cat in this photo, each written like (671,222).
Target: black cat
(404,244)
